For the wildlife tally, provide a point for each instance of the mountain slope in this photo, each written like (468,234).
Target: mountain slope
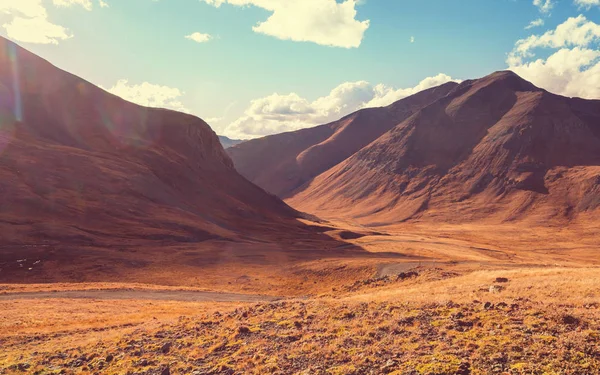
(83,170)
(496,148)
(228,142)
(282,163)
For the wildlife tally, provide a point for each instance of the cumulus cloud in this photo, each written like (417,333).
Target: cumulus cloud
(29,20)
(575,31)
(573,66)
(103,4)
(325,22)
(535,23)
(199,37)
(35,30)
(279,113)
(544,5)
(87,4)
(587,3)
(150,95)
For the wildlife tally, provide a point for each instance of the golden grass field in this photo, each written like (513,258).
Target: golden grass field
(339,315)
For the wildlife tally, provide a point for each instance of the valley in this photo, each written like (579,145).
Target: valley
(453,232)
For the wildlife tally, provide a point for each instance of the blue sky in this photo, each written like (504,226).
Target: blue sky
(313,61)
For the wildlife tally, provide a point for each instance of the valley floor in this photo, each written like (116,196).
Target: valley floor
(422,300)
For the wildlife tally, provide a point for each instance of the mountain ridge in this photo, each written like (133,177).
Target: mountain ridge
(284,162)
(81,166)
(486,143)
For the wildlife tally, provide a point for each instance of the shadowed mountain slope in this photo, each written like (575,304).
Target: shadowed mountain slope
(284,162)
(81,166)
(497,148)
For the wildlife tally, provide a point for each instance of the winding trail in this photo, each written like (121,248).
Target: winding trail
(132,294)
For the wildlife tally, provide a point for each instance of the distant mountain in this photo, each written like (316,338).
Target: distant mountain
(496,148)
(81,168)
(228,142)
(282,163)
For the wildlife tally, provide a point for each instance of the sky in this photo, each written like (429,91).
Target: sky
(256,67)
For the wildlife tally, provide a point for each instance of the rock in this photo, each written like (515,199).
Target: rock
(501,280)
(243,330)
(166,347)
(570,320)
(388,365)
(496,288)
(488,306)
(407,275)
(109,358)
(464,369)
(165,371)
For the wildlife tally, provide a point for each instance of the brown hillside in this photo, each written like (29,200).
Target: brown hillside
(82,170)
(496,148)
(282,163)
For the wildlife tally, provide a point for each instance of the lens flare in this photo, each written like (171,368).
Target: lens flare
(17,103)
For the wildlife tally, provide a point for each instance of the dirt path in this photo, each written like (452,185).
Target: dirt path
(120,294)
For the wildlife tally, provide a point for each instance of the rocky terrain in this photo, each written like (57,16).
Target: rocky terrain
(494,325)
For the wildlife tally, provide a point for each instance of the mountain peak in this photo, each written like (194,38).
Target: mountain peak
(508,79)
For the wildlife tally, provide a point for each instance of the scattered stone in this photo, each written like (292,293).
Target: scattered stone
(407,275)
(409,320)
(166,347)
(488,306)
(388,365)
(243,330)
(464,369)
(165,371)
(496,288)
(109,358)
(570,320)
(501,280)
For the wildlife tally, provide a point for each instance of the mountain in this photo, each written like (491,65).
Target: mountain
(228,142)
(282,163)
(81,168)
(495,149)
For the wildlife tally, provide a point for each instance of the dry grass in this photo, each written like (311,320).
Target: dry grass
(544,321)
(575,286)
(446,321)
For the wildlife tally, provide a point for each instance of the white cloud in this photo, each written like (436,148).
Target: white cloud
(544,5)
(575,31)
(325,22)
(572,69)
(35,30)
(279,113)
(535,23)
(199,37)
(150,95)
(587,3)
(386,95)
(103,4)
(87,4)
(412,39)
(30,23)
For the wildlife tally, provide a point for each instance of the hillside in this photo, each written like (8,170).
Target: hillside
(282,163)
(83,170)
(228,142)
(497,148)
